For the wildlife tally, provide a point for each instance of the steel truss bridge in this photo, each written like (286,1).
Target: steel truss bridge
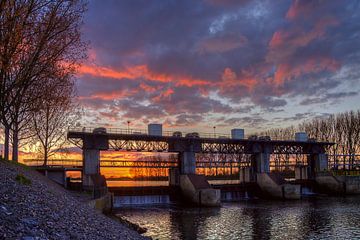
(140,142)
(161,163)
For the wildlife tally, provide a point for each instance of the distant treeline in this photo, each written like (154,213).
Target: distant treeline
(343,129)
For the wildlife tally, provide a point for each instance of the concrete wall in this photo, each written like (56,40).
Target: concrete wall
(317,163)
(245,175)
(91,165)
(301,173)
(352,184)
(186,186)
(103,204)
(262,162)
(209,197)
(339,184)
(275,190)
(321,162)
(330,184)
(91,158)
(205,197)
(174,177)
(187,162)
(57,176)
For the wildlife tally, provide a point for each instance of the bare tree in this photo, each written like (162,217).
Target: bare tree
(55,113)
(343,129)
(38,38)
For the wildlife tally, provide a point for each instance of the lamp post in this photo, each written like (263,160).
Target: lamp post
(214,131)
(128,124)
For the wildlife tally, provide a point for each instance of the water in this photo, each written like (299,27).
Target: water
(147,183)
(123,201)
(320,218)
(132,183)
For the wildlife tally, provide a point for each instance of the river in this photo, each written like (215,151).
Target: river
(146,183)
(317,218)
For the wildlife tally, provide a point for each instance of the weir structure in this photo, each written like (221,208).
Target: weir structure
(195,187)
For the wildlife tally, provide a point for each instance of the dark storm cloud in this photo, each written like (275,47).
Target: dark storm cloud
(186,101)
(187,119)
(252,121)
(165,58)
(329,97)
(135,110)
(296,117)
(191,100)
(89,86)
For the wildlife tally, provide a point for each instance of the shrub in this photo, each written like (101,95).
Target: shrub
(22,179)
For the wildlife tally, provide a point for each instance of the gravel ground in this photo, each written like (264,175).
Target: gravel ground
(44,210)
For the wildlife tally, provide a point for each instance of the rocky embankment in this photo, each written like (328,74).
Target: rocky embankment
(33,207)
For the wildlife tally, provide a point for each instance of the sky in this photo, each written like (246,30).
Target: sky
(192,65)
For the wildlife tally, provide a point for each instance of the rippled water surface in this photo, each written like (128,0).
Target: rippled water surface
(321,218)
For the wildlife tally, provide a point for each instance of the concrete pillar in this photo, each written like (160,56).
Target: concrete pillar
(317,162)
(261,162)
(91,165)
(174,177)
(187,162)
(245,175)
(301,172)
(321,162)
(57,176)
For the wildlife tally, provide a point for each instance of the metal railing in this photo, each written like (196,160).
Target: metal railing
(344,161)
(166,133)
(145,132)
(54,162)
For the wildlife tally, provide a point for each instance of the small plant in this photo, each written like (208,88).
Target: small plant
(22,179)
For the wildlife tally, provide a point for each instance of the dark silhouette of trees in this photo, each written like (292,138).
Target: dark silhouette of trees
(343,129)
(39,42)
(54,114)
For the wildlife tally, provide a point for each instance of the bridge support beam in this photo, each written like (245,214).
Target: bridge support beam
(187,162)
(317,162)
(260,162)
(91,166)
(174,177)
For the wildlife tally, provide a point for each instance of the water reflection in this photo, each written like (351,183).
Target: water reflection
(186,223)
(307,219)
(260,222)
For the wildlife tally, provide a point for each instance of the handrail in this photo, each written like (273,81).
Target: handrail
(166,133)
(144,132)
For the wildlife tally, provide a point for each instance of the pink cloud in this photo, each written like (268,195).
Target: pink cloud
(230,79)
(116,94)
(298,8)
(141,71)
(297,37)
(286,72)
(163,95)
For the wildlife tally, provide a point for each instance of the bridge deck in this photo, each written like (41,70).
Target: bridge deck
(148,143)
(150,138)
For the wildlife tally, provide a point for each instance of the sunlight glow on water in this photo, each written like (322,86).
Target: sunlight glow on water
(336,218)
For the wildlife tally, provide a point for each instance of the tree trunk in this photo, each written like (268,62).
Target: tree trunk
(15,146)
(6,143)
(46,146)
(45,156)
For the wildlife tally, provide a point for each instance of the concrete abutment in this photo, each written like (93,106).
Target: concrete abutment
(91,166)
